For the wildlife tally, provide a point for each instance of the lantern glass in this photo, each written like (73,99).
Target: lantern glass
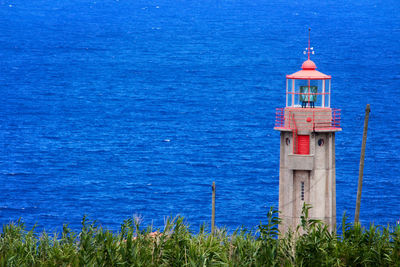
(327,97)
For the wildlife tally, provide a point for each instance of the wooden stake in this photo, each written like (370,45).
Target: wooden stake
(213,209)
(361,169)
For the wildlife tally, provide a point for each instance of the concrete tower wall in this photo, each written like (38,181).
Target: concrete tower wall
(307,179)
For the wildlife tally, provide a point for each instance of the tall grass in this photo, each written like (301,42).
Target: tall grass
(311,244)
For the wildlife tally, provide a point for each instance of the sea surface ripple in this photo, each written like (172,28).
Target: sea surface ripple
(124,108)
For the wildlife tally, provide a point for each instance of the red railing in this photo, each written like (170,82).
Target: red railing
(308,119)
(280,118)
(336,118)
(295,138)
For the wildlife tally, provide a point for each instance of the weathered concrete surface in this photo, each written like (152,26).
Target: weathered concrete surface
(300,162)
(313,174)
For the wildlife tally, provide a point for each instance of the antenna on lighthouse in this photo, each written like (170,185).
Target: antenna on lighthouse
(309,50)
(309,41)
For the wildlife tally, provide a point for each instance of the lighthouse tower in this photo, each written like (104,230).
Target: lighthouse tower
(307,149)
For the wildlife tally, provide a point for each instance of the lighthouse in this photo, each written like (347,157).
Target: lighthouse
(307,126)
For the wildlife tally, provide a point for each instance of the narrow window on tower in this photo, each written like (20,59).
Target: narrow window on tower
(302,191)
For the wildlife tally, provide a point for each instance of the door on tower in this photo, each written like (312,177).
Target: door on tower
(303,144)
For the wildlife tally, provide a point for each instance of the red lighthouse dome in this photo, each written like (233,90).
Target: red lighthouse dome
(308,65)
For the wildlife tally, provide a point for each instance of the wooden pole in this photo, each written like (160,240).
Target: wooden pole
(213,209)
(361,169)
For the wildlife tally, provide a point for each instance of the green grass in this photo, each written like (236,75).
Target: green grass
(175,245)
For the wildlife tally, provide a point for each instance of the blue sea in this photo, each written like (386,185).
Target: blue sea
(132,108)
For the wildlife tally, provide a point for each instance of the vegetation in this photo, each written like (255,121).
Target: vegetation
(310,245)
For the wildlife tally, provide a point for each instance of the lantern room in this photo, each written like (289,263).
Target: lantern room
(308,88)
(308,101)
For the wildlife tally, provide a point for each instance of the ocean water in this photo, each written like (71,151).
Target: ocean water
(116,109)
